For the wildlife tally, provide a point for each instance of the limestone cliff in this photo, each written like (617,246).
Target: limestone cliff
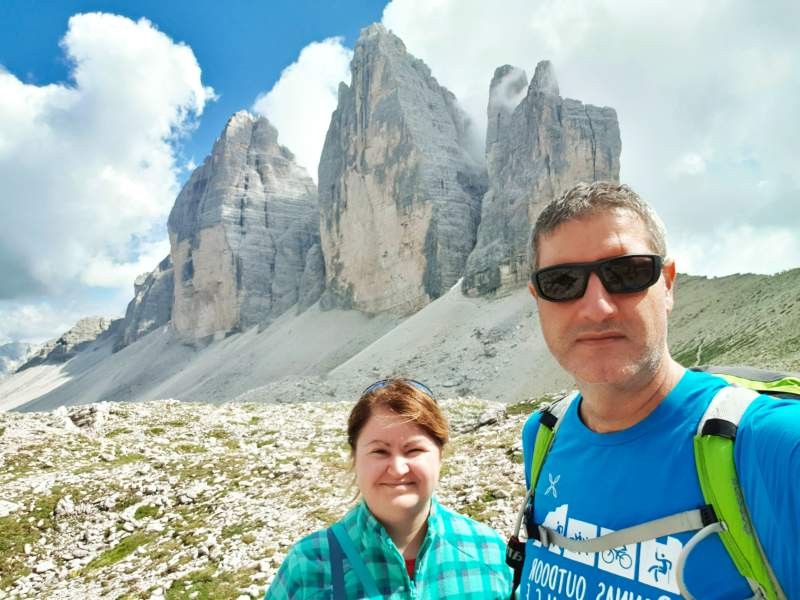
(151,306)
(81,336)
(240,233)
(399,193)
(535,150)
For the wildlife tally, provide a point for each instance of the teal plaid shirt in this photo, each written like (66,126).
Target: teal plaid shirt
(459,558)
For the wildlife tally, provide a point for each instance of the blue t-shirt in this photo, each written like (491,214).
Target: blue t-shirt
(592,484)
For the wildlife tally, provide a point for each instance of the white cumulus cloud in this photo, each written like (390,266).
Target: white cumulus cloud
(34,322)
(89,167)
(300,103)
(740,249)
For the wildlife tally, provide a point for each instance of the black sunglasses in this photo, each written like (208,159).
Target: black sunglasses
(619,275)
(412,382)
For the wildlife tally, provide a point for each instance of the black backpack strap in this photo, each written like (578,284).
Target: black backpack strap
(337,566)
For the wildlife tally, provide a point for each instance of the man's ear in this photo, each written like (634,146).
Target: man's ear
(669,283)
(532,290)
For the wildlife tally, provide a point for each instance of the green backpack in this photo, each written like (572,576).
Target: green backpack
(724,513)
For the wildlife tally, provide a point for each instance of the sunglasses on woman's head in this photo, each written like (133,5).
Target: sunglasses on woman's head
(619,275)
(412,382)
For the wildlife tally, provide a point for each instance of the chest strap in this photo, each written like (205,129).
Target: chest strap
(342,543)
(690,520)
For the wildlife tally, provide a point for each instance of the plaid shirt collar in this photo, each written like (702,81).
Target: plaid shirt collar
(371,529)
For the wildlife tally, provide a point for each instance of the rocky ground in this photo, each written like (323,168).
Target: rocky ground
(176,500)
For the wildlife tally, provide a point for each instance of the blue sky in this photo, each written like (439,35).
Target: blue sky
(241,46)
(106,106)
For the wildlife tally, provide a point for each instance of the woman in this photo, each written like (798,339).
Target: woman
(398,542)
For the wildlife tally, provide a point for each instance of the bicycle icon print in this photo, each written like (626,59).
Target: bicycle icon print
(618,555)
(621,556)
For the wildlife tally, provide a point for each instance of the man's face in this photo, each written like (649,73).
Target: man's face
(604,338)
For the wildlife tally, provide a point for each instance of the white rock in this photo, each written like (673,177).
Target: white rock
(6,508)
(44,566)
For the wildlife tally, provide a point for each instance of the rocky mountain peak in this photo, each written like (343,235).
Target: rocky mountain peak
(399,193)
(77,338)
(535,150)
(544,79)
(240,233)
(373,30)
(151,306)
(506,90)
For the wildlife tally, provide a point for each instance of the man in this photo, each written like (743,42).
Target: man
(623,454)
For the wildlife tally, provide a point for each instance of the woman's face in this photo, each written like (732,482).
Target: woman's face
(397,466)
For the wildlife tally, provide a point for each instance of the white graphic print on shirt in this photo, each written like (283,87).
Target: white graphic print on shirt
(651,563)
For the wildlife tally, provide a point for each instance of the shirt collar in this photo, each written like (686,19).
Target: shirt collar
(372,530)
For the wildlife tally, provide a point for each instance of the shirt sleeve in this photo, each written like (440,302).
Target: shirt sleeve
(767,455)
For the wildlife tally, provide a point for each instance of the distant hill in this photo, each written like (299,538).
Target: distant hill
(738,319)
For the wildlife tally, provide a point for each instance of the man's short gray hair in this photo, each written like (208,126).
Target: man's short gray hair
(588,199)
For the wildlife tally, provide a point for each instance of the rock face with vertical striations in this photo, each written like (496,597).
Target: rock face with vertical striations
(535,150)
(240,233)
(399,193)
(151,306)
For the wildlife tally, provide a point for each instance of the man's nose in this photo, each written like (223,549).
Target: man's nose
(597,304)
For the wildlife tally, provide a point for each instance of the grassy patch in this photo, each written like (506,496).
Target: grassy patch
(156,430)
(126,459)
(324,515)
(118,431)
(193,517)
(146,511)
(121,551)
(242,529)
(480,509)
(190,448)
(526,407)
(19,529)
(127,499)
(208,583)
(165,549)
(2,431)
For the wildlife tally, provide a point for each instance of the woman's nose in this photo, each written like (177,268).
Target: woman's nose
(398,465)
